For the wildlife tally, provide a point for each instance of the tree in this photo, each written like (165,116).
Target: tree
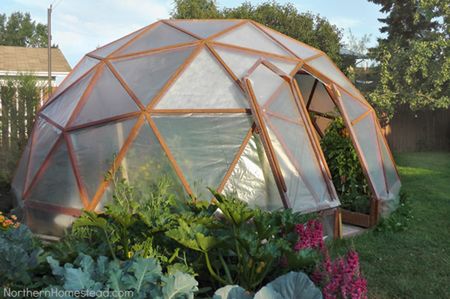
(306,27)
(20,30)
(414,58)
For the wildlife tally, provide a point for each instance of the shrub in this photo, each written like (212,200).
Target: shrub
(348,177)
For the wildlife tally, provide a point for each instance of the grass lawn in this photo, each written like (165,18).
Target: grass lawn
(413,263)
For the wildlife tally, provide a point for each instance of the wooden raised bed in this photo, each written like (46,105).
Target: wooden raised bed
(361,219)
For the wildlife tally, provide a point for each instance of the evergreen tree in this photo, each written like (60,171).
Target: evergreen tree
(20,30)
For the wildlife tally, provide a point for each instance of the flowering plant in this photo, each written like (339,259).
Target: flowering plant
(340,278)
(8,222)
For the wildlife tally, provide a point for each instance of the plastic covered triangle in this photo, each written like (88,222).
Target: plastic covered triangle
(95,149)
(108,49)
(203,84)
(159,36)
(57,185)
(300,49)
(61,108)
(283,106)
(85,64)
(252,179)
(265,84)
(203,28)
(146,75)
(250,37)
(353,107)
(107,99)
(203,145)
(44,138)
(240,62)
(146,165)
(18,182)
(305,84)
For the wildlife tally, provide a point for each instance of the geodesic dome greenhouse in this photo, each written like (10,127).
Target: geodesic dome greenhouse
(226,104)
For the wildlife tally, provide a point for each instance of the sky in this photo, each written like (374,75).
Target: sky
(80,26)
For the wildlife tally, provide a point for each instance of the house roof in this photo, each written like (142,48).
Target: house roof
(33,60)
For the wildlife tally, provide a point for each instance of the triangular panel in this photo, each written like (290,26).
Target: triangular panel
(82,68)
(57,185)
(251,37)
(301,50)
(321,100)
(146,75)
(266,84)
(389,167)
(95,149)
(324,65)
(115,45)
(44,137)
(204,28)
(283,105)
(146,164)
(305,84)
(353,107)
(204,84)
(204,146)
(252,179)
(161,35)
(20,175)
(240,62)
(108,98)
(366,137)
(60,109)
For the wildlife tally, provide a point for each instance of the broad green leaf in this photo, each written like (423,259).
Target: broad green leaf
(293,285)
(232,292)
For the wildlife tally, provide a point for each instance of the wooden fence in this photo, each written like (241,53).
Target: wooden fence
(19,101)
(412,131)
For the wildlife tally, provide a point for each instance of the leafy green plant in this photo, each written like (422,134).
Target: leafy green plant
(20,256)
(348,177)
(400,219)
(143,277)
(288,286)
(241,245)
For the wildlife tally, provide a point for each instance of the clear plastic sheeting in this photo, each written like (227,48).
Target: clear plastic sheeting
(147,165)
(44,137)
(204,146)
(252,180)
(204,84)
(299,195)
(283,106)
(57,185)
(203,28)
(325,66)
(240,62)
(292,137)
(95,149)
(391,202)
(47,223)
(353,107)
(85,64)
(265,84)
(108,49)
(251,37)
(305,83)
(300,50)
(107,100)
(328,219)
(366,136)
(146,75)
(17,185)
(61,108)
(159,36)
(321,100)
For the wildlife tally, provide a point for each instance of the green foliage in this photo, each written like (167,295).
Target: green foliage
(348,177)
(20,30)
(311,29)
(16,119)
(414,59)
(400,219)
(142,276)
(290,285)
(20,256)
